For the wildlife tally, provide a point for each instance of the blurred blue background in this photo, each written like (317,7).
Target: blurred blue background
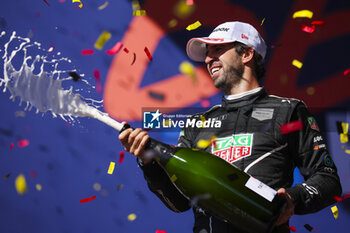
(67,160)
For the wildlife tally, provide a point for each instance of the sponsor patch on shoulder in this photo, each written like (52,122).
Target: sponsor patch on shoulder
(262,114)
(313,124)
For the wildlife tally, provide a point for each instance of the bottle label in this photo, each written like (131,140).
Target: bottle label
(261,189)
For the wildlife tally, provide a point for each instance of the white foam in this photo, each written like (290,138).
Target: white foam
(42,90)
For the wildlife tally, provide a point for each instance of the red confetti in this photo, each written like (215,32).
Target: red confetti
(148,54)
(116,48)
(121,157)
(292,228)
(97,75)
(126,50)
(12,145)
(308,29)
(46,2)
(205,103)
(87,199)
(133,61)
(321,23)
(23,143)
(85,52)
(33,174)
(291,127)
(338,199)
(346,72)
(160,231)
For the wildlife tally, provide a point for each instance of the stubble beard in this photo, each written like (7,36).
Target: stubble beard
(231,77)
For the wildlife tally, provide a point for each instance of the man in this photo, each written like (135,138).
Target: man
(234,54)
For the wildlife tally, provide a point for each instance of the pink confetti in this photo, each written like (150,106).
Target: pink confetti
(346,72)
(23,143)
(121,157)
(291,127)
(116,48)
(97,75)
(160,231)
(189,2)
(292,228)
(148,54)
(85,52)
(12,145)
(46,2)
(308,29)
(205,103)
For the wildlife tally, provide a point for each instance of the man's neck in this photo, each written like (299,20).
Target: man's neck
(246,84)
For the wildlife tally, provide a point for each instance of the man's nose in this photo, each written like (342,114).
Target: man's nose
(208,59)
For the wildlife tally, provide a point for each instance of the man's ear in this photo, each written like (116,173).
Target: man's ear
(248,55)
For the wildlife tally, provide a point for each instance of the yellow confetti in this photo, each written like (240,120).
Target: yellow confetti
(345,127)
(131,217)
(335,211)
(103,6)
(188,69)
(203,143)
(102,39)
(139,12)
(344,138)
(20,184)
(182,10)
(135,5)
(303,14)
(173,178)
(111,168)
(172,23)
(38,187)
(97,187)
(80,5)
(345,150)
(310,90)
(193,26)
(297,63)
(262,22)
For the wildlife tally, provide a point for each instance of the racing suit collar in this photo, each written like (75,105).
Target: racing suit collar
(243,101)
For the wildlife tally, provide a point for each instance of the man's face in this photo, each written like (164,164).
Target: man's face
(224,66)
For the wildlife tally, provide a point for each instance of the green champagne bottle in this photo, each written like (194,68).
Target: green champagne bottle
(219,187)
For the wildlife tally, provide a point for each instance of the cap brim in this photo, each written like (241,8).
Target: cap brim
(197,50)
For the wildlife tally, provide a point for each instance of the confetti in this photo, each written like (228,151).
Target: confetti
(135,5)
(182,10)
(157,96)
(203,143)
(97,187)
(38,187)
(338,199)
(308,29)
(291,127)
(139,13)
(148,53)
(173,178)
(346,72)
(126,50)
(75,76)
(12,145)
(189,2)
(46,2)
(133,61)
(97,75)
(262,22)
(85,52)
(20,184)
(193,26)
(321,23)
(103,6)
(116,48)
(205,103)
(335,211)
(345,150)
(111,168)
(80,5)
(297,63)
(172,23)
(308,227)
(102,39)
(7,176)
(160,231)
(87,199)
(121,157)
(188,69)
(23,143)
(33,174)
(131,217)
(303,14)
(292,228)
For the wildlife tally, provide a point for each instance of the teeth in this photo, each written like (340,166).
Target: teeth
(214,70)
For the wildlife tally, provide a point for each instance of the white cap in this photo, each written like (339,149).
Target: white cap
(227,33)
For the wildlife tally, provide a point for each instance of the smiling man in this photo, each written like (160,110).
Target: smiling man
(250,135)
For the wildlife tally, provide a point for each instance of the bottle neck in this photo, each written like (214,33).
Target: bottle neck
(162,152)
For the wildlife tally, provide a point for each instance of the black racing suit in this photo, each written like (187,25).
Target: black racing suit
(251,138)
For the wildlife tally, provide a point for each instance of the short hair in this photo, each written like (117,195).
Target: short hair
(258,61)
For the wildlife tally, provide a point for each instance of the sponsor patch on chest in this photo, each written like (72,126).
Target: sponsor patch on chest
(262,114)
(234,147)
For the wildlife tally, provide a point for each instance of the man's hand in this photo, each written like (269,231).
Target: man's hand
(289,210)
(134,141)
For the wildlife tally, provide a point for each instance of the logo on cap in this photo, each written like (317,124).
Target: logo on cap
(221,29)
(244,36)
